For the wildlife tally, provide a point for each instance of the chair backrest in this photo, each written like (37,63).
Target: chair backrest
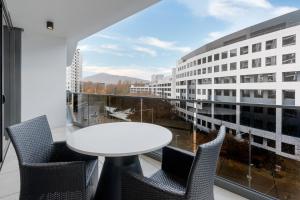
(32,140)
(201,178)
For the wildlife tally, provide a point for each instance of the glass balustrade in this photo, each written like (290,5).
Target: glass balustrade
(262,146)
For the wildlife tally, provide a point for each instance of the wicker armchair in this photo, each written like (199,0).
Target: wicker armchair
(50,170)
(183,176)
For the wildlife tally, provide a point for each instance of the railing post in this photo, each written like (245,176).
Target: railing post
(141,109)
(152,115)
(88,107)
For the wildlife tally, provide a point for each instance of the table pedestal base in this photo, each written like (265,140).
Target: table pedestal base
(109,186)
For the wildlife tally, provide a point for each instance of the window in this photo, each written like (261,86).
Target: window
(258,94)
(289,58)
(216,68)
(218,93)
(258,109)
(271,94)
(199,71)
(271,143)
(256,47)
(224,67)
(209,69)
(244,64)
(195,62)
(271,111)
(204,71)
(288,148)
(245,108)
(199,91)
(209,58)
(270,60)
(291,76)
(216,57)
(233,53)
(256,62)
(233,93)
(233,66)
(245,93)
(199,61)
(224,55)
(209,125)
(204,60)
(258,139)
(288,94)
(227,93)
(271,44)
(289,40)
(203,91)
(244,50)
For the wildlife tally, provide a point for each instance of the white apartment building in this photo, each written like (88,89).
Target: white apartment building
(161,86)
(257,65)
(157,77)
(74,73)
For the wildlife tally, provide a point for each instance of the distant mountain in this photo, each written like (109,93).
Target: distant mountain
(113,79)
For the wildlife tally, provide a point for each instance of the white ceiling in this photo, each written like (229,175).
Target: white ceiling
(73,19)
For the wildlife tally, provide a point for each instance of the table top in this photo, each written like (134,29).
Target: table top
(119,139)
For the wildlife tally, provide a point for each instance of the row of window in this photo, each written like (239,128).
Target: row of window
(253,78)
(266,94)
(269,61)
(270,44)
(161,85)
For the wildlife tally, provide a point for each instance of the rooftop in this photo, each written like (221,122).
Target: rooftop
(275,24)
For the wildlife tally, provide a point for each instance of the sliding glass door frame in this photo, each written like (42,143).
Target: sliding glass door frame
(2,99)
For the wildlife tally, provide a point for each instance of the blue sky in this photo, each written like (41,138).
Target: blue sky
(152,40)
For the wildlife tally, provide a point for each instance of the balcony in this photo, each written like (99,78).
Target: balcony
(9,175)
(251,147)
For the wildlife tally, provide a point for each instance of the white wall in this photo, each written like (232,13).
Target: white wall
(43,78)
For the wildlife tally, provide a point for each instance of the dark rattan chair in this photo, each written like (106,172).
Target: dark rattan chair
(183,176)
(50,170)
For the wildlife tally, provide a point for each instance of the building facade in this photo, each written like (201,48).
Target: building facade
(160,86)
(257,65)
(74,73)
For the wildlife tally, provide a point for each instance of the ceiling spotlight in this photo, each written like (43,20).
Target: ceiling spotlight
(50,25)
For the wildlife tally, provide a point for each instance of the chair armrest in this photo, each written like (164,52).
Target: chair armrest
(137,187)
(43,178)
(177,162)
(62,153)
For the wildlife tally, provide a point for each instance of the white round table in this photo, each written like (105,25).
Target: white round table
(120,143)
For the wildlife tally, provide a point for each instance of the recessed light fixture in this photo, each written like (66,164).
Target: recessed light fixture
(50,25)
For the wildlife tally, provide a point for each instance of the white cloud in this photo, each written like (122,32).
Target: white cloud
(110,47)
(237,13)
(104,48)
(143,72)
(110,37)
(166,45)
(140,44)
(145,50)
